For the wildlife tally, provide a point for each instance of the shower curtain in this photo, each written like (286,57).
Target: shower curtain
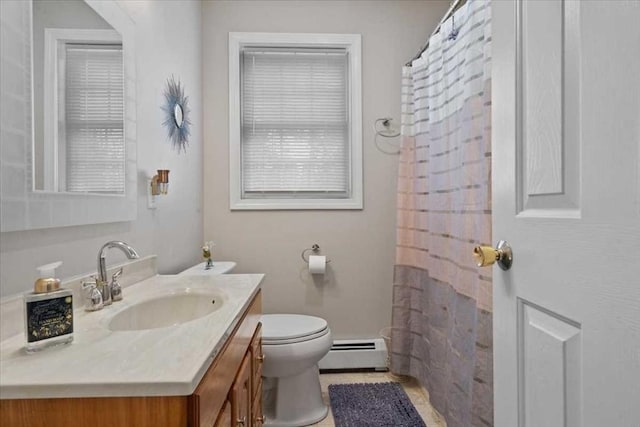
(442,303)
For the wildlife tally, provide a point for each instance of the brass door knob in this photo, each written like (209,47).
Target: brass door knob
(486,255)
(260,358)
(260,419)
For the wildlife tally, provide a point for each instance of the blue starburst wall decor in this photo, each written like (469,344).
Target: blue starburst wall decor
(176,110)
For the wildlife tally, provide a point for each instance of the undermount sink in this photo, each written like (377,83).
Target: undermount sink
(167,310)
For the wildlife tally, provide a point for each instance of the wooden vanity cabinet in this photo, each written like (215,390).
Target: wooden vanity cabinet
(225,396)
(243,407)
(229,391)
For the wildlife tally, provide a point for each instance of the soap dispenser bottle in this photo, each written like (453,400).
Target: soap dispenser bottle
(48,314)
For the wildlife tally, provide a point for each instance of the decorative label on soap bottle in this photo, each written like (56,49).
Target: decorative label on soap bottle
(49,318)
(48,311)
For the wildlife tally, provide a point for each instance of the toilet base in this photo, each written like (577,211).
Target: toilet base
(294,401)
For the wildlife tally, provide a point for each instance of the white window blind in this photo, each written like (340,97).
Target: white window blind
(94,145)
(295,123)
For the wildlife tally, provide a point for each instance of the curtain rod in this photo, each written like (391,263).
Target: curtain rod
(455,5)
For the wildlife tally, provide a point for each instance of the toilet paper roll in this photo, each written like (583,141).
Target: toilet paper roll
(317,264)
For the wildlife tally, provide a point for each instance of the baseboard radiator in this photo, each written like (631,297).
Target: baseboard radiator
(356,354)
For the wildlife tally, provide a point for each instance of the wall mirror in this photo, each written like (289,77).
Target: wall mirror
(178,115)
(71,150)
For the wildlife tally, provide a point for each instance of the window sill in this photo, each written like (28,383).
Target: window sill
(295,204)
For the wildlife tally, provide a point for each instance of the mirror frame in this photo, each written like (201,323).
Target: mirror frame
(22,207)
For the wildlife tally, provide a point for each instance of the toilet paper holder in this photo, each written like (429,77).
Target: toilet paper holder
(315,249)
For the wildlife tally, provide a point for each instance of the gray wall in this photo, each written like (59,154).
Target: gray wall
(355,296)
(168,41)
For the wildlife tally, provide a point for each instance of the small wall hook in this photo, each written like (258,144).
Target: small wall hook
(386,128)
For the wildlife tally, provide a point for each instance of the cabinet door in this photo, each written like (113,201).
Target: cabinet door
(256,407)
(257,361)
(241,395)
(224,419)
(215,390)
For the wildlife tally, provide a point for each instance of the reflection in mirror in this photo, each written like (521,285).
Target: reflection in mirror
(78,93)
(177,115)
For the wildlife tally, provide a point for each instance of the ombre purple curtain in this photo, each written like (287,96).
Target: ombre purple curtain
(442,303)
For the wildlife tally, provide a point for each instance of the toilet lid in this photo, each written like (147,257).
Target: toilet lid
(287,328)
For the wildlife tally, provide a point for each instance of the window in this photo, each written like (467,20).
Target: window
(85,112)
(94,112)
(295,121)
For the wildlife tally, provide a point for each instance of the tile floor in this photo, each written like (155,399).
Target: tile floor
(419,396)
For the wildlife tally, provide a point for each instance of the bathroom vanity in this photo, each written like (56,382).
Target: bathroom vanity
(230,394)
(199,372)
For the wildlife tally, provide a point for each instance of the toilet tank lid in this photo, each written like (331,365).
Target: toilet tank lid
(219,267)
(290,326)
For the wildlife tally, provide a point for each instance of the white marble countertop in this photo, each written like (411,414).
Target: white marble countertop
(168,361)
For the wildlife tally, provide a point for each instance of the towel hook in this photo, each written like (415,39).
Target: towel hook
(388,130)
(385,128)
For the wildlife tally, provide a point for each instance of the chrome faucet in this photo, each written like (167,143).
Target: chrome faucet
(103,282)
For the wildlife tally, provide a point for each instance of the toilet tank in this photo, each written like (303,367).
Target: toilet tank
(219,267)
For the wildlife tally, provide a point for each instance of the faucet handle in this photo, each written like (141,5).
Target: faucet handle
(92,296)
(116,289)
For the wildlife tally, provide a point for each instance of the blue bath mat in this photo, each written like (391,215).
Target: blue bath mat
(376,404)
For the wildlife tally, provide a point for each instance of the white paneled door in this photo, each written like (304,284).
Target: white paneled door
(566,196)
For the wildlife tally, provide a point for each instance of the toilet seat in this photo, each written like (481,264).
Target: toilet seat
(280,329)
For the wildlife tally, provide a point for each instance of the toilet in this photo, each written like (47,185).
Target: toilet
(292,344)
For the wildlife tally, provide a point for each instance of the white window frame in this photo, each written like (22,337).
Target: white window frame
(53,163)
(353,44)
